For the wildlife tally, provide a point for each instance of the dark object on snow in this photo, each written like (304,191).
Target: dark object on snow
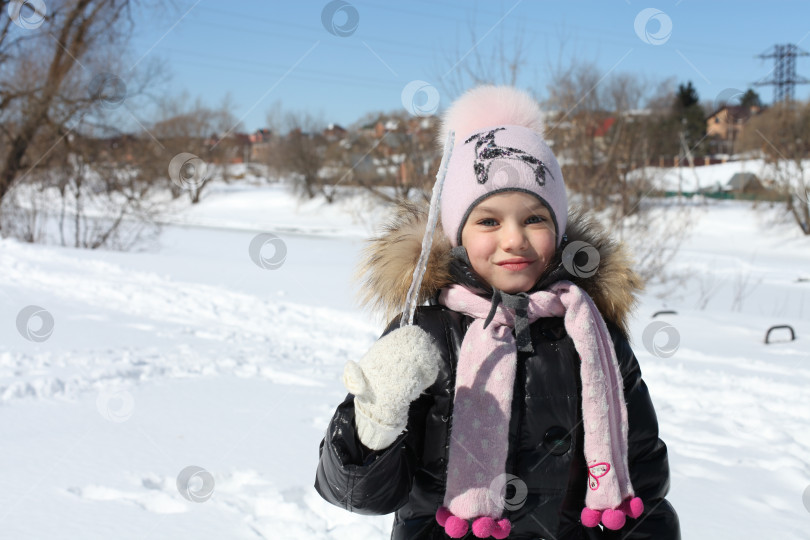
(745,182)
(779,327)
(664,312)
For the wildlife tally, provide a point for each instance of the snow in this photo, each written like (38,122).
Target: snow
(189,354)
(716,176)
(235,206)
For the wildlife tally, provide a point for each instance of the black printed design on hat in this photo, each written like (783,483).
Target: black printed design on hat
(487,151)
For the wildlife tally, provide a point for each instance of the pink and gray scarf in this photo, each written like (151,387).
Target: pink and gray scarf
(485,378)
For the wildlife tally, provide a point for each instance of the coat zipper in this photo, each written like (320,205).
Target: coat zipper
(520,387)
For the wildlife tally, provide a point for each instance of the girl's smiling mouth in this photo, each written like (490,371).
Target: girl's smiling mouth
(515,264)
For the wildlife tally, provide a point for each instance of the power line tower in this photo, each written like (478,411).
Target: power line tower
(784,72)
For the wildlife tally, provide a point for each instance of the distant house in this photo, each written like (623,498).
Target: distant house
(726,123)
(422,124)
(334,132)
(260,144)
(601,128)
(260,136)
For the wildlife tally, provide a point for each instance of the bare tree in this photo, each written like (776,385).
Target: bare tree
(709,286)
(606,131)
(92,191)
(630,141)
(40,63)
(111,204)
(22,216)
(782,135)
(498,56)
(198,143)
(301,152)
(742,289)
(58,67)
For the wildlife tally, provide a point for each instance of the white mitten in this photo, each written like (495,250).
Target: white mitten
(394,371)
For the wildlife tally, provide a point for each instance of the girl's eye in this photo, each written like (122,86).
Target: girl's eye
(532,219)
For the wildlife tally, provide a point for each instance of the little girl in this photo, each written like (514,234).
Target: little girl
(513,407)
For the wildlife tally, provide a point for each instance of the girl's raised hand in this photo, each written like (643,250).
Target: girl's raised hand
(393,373)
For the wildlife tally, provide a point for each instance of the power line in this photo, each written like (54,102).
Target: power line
(302,74)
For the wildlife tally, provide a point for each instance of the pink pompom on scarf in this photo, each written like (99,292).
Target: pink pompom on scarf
(482,405)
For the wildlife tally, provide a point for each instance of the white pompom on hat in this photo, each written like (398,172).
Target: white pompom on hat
(498,147)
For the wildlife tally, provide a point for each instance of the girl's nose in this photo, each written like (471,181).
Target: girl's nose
(514,238)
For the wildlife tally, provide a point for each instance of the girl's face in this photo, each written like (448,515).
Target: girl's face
(510,239)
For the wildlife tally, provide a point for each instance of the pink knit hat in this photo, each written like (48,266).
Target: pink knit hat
(498,147)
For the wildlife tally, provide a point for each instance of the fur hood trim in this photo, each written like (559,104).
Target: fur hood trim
(385,270)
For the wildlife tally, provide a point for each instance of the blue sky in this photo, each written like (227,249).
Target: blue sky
(263,52)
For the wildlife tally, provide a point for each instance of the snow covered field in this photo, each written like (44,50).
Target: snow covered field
(190,354)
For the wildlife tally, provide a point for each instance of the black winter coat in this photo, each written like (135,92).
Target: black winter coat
(545,445)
